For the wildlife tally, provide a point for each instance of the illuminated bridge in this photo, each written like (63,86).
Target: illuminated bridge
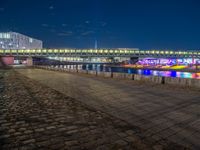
(88,54)
(101,53)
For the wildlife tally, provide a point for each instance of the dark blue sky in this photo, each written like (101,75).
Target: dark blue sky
(145,24)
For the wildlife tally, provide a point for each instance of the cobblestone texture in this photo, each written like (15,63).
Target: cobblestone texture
(162,112)
(33,116)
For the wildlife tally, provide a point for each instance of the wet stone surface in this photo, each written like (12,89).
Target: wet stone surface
(33,116)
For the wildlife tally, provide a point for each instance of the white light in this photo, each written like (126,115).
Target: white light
(5,35)
(30,40)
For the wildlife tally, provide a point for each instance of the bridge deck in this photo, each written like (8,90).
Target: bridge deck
(101,53)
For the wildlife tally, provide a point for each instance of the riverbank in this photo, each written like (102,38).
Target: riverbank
(160,111)
(34,116)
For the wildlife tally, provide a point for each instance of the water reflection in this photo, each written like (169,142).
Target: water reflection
(147,72)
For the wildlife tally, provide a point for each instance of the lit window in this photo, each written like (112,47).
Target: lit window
(66,51)
(13,51)
(30,40)
(27,51)
(78,51)
(141,52)
(32,51)
(44,50)
(7,51)
(72,51)
(50,50)
(84,51)
(62,50)
(55,50)
(5,35)
(20,51)
(8,36)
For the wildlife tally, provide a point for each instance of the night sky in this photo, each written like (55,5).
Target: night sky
(144,24)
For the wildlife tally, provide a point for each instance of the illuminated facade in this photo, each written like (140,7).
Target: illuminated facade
(13,40)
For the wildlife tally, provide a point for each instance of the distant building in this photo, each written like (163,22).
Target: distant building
(13,40)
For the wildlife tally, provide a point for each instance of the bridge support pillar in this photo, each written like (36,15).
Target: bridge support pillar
(134,60)
(29,61)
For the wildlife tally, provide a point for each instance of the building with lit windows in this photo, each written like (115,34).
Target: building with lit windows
(13,40)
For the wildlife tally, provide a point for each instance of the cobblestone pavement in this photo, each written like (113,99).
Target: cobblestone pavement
(33,116)
(161,112)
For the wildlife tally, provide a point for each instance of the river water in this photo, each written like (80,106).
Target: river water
(147,72)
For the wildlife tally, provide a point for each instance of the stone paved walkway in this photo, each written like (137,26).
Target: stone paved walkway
(33,116)
(162,112)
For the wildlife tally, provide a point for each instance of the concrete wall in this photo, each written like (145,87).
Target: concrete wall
(123,75)
(107,74)
(83,71)
(8,60)
(92,72)
(195,83)
(29,61)
(104,74)
(118,75)
(154,79)
(183,82)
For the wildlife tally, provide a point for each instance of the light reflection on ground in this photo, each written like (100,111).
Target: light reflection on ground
(147,72)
